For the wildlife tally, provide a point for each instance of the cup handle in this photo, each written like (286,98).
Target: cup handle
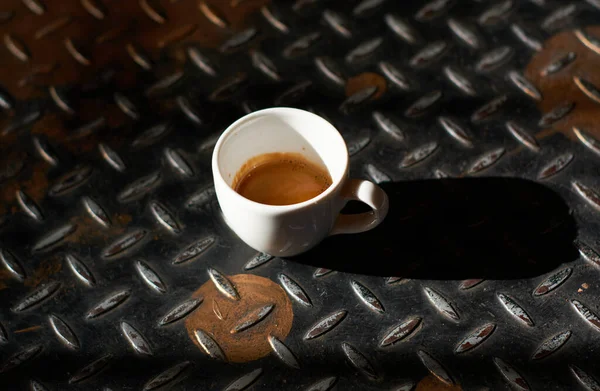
(370,194)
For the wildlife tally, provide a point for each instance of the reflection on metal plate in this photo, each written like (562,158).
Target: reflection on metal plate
(109,220)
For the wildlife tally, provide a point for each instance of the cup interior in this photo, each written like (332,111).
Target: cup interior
(281,130)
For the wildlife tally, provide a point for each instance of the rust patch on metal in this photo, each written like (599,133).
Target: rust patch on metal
(28,329)
(79,40)
(46,269)
(95,122)
(32,179)
(557,71)
(364,80)
(122,219)
(218,315)
(11,164)
(432,383)
(5,279)
(90,233)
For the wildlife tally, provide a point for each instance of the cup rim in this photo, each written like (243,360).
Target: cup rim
(276,208)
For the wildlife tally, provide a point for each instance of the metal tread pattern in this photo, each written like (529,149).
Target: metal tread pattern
(114,255)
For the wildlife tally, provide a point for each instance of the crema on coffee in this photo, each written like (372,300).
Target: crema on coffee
(281,179)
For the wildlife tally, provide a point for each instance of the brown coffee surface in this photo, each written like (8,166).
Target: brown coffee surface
(281,179)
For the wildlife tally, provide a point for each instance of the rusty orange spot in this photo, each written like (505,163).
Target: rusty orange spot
(45,270)
(32,179)
(90,233)
(219,315)
(102,39)
(560,86)
(122,219)
(28,329)
(365,80)
(432,383)
(5,279)
(77,135)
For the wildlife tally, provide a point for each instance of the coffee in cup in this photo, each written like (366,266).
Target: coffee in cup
(281,178)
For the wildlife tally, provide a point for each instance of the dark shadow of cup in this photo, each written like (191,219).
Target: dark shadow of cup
(457,229)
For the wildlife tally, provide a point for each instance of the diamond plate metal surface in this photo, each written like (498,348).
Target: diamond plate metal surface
(117,271)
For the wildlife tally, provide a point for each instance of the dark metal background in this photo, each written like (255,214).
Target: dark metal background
(109,111)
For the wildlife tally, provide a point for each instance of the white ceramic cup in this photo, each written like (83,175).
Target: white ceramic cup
(287,230)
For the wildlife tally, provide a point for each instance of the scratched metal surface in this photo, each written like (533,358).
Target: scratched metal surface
(109,112)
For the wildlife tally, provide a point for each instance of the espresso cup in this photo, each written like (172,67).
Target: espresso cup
(287,230)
